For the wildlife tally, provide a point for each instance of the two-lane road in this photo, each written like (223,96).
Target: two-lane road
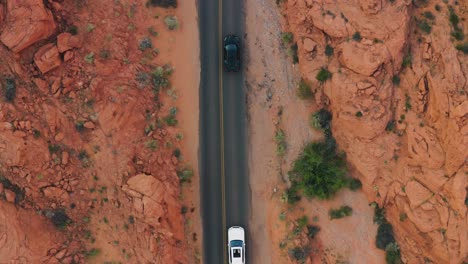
(223,162)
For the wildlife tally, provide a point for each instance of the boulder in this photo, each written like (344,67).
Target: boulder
(66,41)
(47,58)
(27,22)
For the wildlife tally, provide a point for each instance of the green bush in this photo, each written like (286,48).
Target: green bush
(358,114)
(292,52)
(280,139)
(341,212)
(329,50)
(72,29)
(160,77)
(354,184)
(299,253)
(453,18)
(392,254)
(93,252)
(429,15)
(321,119)
(319,171)
(312,231)
(357,36)
(10,89)
(145,43)
(462,47)
(171,22)
(424,26)
(287,38)
(407,60)
(89,58)
(396,80)
(384,235)
(323,75)
(185,175)
(303,90)
(104,54)
(59,218)
(290,195)
(302,221)
(162,3)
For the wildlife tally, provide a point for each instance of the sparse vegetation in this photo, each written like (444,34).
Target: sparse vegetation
(162,3)
(160,77)
(90,27)
(341,212)
(79,126)
(292,52)
(424,26)
(392,254)
(93,252)
(153,32)
(59,218)
(10,89)
(354,184)
(329,50)
(54,148)
(407,60)
(303,90)
(358,114)
(462,47)
(72,29)
(185,175)
(152,144)
(89,58)
(287,38)
(280,139)
(429,15)
(357,36)
(312,231)
(457,32)
(145,44)
(407,103)
(171,22)
(84,157)
(396,80)
(104,54)
(321,119)
(299,253)
(323,75)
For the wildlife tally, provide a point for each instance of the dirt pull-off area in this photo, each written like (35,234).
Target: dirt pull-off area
(394,75)
(94,166)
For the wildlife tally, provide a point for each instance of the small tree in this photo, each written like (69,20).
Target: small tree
(171,22)
(323,75)
(303,90)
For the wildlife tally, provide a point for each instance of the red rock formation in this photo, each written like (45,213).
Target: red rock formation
(27,22)
(47,58)
(419,168)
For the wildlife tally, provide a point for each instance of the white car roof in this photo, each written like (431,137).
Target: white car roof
(236,233)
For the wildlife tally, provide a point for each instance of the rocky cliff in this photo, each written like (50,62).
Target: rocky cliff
(398,94)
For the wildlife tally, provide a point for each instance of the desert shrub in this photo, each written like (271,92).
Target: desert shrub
(341,212)
(390,126)
(329,50)
(60,218)
(171,22)
(429,15)
(357,36)
(90,27)
(407,60)
(354,184)
(302,222)
(424,26)
(54,148)
(145,44)
(72,29)
(396,80)
(171,120)
(438,8)
(152,144)
(358,114)
(287,38)
(7,184)
(319,171)
(84,157)
(10,89)
(392,254)
(160,77)
(104,54)
(299,253)
(185,175)
(292,52)
(453,18)
(89,58)
(153,32)
(290,195)
(379,214)
(462,47)
(303,90)
(323,75)
(280,139)
(143,79)
(93,252)
(312,231)
(458,34)
(321,119)
(384,235)
(79,126)
(407,103)
(162,3)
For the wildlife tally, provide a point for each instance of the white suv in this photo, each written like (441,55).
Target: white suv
(236,245)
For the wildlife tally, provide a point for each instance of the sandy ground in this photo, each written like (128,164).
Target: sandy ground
(271,83)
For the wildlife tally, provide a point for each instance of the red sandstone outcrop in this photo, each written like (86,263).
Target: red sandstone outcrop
(47,58)
(410,145)
(27,22)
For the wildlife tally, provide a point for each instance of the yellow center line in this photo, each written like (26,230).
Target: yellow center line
(223,194)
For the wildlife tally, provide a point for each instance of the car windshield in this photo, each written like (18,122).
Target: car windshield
(236,243)
(231,50)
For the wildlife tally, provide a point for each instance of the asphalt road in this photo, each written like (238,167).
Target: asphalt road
(224,188)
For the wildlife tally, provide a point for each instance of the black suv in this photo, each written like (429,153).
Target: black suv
(231,54)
